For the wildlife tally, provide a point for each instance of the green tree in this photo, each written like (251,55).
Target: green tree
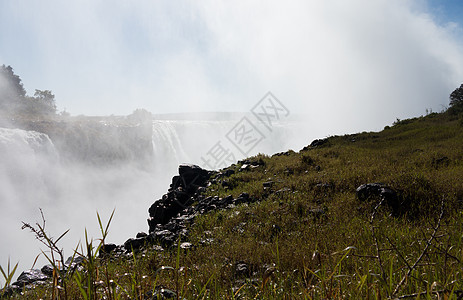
(12,92)
(456,100)
(456,97)
(13,80)
(45,100)
(140,115)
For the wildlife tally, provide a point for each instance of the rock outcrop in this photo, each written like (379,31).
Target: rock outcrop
(183,191)
(171,216)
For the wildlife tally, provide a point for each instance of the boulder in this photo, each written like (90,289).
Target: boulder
(315,144)
(30,276)
(318,143)
(107,249)
(190,177)
(242,198)
(47,270)
(74,262)
(190,181)
(135,244)
(379,191)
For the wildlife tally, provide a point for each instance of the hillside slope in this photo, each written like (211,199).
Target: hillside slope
(312,228)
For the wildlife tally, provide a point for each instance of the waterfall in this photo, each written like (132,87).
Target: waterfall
(28,159)
(167,145)
(186,140)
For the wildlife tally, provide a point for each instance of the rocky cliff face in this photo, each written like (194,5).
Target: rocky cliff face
(96,142)
(171,215)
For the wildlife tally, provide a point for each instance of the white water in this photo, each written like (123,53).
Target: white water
(33,176)
(190,140)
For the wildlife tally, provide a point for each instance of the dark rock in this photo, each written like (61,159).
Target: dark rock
(242,198)
(268,184)
(225,184)
(47,270)
(287,153)
(9,291)
(30,276)
(185,218)
(252,163)
(225,201)
(318,143)
(315,143)
(161,293)
(173,226)
(379,191)
(175,181)
(74,262)
(191,176)
(141,234)
(369,190)
(165,237)
(228,173)
(188,184)
(134,244)
(201,189)
(107,249)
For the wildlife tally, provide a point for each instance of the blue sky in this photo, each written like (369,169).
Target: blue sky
(347,66)
(447,10)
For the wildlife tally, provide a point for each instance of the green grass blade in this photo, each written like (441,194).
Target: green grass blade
(61,236)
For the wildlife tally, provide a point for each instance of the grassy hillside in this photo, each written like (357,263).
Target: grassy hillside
(307,235)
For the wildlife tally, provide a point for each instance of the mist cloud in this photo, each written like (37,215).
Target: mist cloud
(33,176)
(363,62)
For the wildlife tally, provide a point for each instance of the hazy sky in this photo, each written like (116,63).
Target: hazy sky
(349,65)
